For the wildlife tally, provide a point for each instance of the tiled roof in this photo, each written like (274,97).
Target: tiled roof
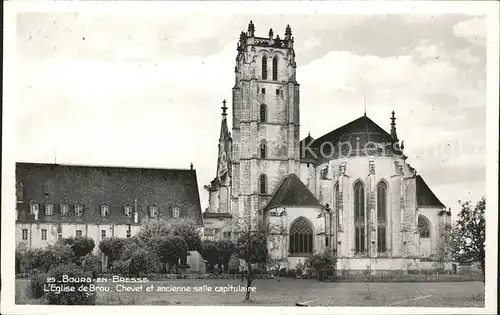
(292,192)
(425,196)
(357,132)
(93,186)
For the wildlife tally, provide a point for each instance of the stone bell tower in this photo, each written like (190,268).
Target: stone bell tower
(265,121)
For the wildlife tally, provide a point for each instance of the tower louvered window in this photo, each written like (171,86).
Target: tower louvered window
(263,184)
(263,113)
(264,68)
(263,150)
(275,69)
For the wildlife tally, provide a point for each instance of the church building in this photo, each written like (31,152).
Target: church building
(350,192)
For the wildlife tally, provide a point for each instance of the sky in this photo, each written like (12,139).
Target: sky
(145,90)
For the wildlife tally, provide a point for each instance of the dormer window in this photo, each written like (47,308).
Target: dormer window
(104,210)
(128,211)
(153,211)
(49,209)
(64,209)
(175,212)
(78,210)
(33,208)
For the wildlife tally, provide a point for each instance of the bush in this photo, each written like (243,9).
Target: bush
(42,259)
(321,263)
(70,298)
(137,260)
(90,263)
(35,286)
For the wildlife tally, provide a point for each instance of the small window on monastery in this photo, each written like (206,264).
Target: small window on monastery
(78,233)
(277,92)
(64,209)
(128,231)
(49,209)
(128,211)
(263,91)
(153,212)
(33,208)
(24,234)
(175,212)
(44,234)
(103,234)
(78,210)
(263,184)
(104,210)
(227,235)
(59,236)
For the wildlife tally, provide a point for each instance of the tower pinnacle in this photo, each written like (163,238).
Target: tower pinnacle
(224,108)
(251,29)
(393,127)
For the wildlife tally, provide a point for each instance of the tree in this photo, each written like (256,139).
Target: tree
(467,243)
(251,246)
(136,258)
(80,246)
(112,247)
(224,249)
(168,248)
(187,229)
(181,234)
(209,252)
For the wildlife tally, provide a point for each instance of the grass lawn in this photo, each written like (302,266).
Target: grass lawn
(289,291)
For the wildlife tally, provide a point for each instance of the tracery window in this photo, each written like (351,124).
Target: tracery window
(301,237)
(381,217)
(424,227)
(359,218)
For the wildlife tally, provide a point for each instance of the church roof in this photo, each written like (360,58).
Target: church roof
(358,133)
(425,196)
(292,192)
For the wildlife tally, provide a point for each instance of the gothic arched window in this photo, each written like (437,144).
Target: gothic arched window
(264,68)
(381,217)
(337,204)
(263,113)
(424,227)
(359,217)
(275,69)
(263,150)
(301,237)
(263,184)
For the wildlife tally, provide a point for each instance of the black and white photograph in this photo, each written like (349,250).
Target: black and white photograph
(340,156)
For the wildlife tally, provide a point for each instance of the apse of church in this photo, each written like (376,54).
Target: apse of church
(350,192)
